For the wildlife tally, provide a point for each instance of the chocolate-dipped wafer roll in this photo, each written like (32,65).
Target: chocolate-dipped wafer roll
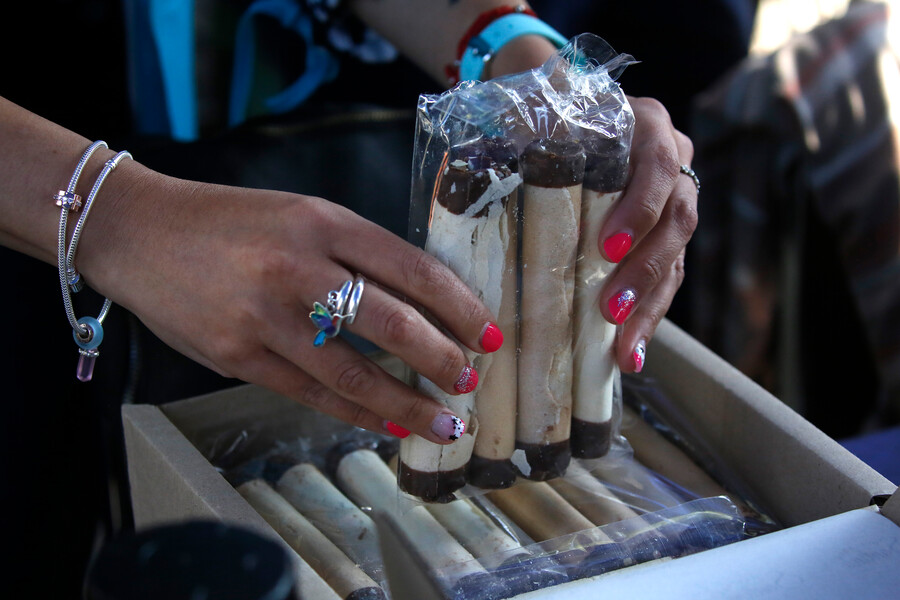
(341,573)
(669,461)
(335,515)
(637,485)
(546,516)
(368,481)
(591,497)
(552,173)
(495,398)
(643,539)
(496,549)
(539,510)
(470,231)
(606,171)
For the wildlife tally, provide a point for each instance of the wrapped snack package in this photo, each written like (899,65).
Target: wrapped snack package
(512,180)
(553,479)
(643,501)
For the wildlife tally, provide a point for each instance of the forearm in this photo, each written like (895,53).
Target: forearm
(428,32)
(38,159)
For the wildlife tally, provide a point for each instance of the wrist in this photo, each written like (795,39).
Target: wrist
(521,54)
(115,230)
(492,32)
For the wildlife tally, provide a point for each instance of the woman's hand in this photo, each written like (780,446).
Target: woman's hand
(229,276)
(650,227)
(648,231)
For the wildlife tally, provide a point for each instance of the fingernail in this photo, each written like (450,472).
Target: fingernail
(467,381)
(491,338)
(448,427)
(617,246)
(396,430)
(621,304)
(640,351)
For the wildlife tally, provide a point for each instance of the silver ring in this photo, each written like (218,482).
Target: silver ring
(353,302)
(340,306)
(690,173)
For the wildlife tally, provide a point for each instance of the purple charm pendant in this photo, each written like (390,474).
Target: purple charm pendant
(86,360)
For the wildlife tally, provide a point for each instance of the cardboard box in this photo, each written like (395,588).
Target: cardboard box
(818,490)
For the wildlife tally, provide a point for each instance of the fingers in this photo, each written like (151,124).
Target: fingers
(342,375)
(642,271)
(658,151)
(353,389)
(422,279)
(638,330)
(396,327)
(648,229)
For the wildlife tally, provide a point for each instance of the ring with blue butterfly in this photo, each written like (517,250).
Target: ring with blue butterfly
(341,306)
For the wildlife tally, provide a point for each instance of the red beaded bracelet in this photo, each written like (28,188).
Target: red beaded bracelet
(482,21)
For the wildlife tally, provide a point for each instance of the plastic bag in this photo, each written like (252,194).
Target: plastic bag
(512,179)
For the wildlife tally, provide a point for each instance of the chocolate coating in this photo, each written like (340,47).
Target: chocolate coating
(477,587)
(467,175)
(653,543)
(492,474)
(369,593)
(606,165)
(528,574)
(552,163)
(590,440)
(547,461)
(432,486)
(603,558)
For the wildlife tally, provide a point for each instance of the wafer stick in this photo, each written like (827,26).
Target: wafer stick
(327,559)
(668,460)
(470,232)
(595,369)
(552,171)
(495,398)
(500,553)
(644,538)
(335,515)
(591,497)
(546,516)
(635,484)
(539,510)
(368,481)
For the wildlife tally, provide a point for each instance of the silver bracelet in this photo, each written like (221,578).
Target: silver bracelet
(87,331)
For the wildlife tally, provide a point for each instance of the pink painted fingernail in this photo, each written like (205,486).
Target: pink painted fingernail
(640,352)
(396,430)
(467,381)
(621,304)
(448,427)
(491,338)
(617,246)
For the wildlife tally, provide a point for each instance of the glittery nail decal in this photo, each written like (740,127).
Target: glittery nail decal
(616,246)
(640,351)
(491,338)
(467,381)
(621,304)
(448,427)
(396,430)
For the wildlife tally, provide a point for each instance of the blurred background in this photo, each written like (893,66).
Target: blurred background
(793,275)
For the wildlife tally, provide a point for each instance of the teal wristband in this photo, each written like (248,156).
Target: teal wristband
(498,33)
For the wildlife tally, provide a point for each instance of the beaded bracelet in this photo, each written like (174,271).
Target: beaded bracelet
(87,331)
(492,30)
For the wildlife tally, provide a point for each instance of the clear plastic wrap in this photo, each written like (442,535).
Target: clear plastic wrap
(512,180)
(602,515)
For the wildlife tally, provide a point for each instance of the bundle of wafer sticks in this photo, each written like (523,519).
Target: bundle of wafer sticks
(525,173)
(600,516)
